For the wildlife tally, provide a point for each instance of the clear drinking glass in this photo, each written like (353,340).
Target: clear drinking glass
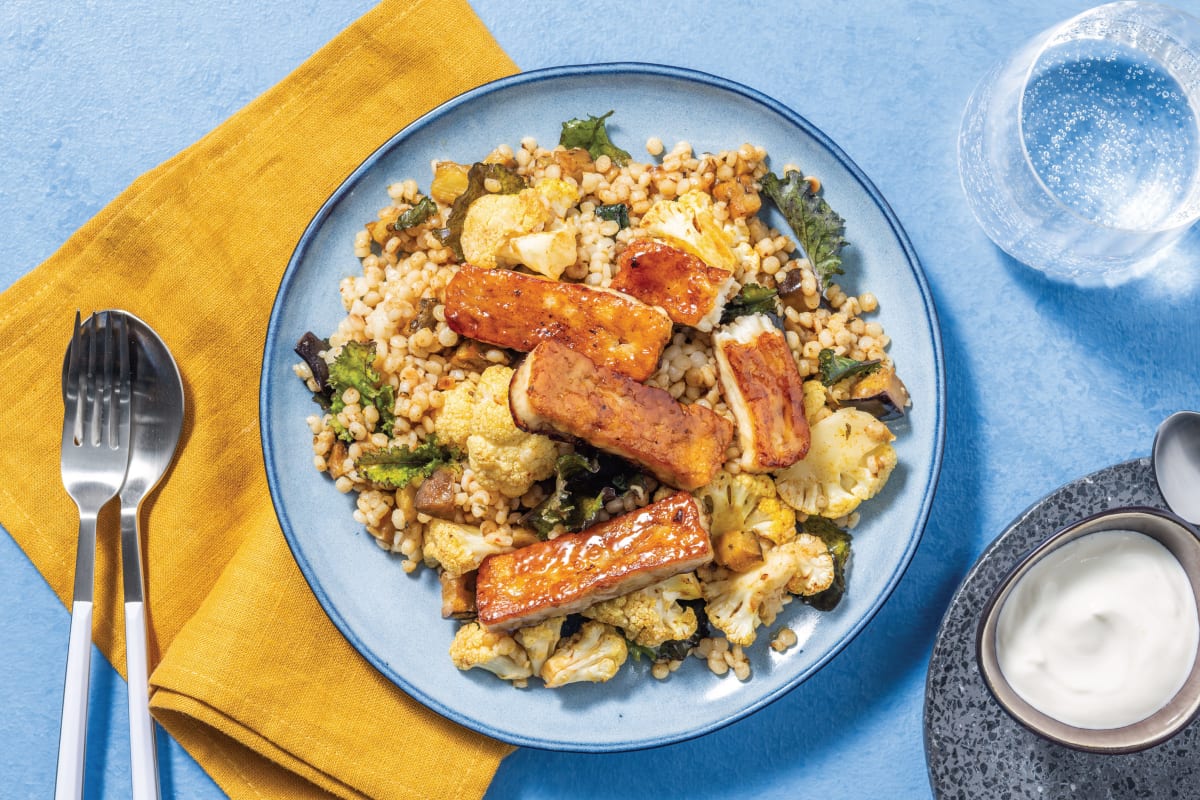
(1080,154)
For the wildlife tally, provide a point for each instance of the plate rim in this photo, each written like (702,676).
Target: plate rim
(913,263)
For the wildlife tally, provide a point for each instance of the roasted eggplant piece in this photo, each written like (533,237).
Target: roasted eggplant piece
(310,348)
(880,393)
(788,285)
(458,595)
(435,495)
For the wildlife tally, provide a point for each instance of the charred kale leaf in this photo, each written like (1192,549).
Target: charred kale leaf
(751,299)
(354,368)
(834,368)
(819,229)
(396,467)
(592,135)
(583,483)
(422,211)
(617,212)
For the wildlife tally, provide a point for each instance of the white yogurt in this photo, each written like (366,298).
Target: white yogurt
(1100,633)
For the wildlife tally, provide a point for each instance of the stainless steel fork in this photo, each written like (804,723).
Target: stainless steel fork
(95,454)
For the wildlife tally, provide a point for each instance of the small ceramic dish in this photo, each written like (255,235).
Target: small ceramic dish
(1184,543)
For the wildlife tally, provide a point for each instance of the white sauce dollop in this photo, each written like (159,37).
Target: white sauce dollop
(1100,633)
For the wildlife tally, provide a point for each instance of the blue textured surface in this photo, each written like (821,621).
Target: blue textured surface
(1045,382)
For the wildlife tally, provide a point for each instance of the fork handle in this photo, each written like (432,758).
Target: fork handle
(72,737)
(72,733)
(142,749)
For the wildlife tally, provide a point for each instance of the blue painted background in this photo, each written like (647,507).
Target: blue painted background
(1045,382)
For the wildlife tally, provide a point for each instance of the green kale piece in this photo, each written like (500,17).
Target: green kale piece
(838,542)
(354,368)
(398,466)
(583,484)
(751,299)
(510,183)
(422,211)
(592,135)
(819,229)
(834,368)
(640,651)
(617,212)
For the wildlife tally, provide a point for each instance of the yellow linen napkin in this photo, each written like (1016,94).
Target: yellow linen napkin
(252,677)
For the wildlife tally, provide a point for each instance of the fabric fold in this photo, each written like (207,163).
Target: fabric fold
(254,679)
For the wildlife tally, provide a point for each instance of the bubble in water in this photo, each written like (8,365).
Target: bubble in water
(1110,134)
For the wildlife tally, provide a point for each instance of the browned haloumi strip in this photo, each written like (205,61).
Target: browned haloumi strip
(576,570)
(764,391)
(559,391)
(690,291)
(514,310)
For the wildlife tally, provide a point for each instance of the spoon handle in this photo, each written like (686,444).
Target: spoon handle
(142,749)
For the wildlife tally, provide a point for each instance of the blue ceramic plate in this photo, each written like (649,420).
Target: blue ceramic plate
(392,618)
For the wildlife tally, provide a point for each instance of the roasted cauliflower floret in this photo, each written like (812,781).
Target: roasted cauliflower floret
(556,196)
(475,647)
(457,547)
(526,228)
(849,460)
(476,419)
(815,572)
(816,399)
(540,640)
(747,502)
(738,602)
(688,223)
(593,654)
(653,615)
(493,219)
(548,252)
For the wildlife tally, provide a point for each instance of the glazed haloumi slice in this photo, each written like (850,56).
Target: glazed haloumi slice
(558,391)
(763,389)
(576,570)
(514,310)
(690,291)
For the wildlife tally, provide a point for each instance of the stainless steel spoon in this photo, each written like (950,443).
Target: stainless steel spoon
(1177,463)
(157,424)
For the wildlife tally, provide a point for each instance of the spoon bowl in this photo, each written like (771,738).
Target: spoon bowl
(1177,463)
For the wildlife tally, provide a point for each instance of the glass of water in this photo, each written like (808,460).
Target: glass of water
(1080,155)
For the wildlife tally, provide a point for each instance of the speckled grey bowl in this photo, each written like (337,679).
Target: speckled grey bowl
(1177,536)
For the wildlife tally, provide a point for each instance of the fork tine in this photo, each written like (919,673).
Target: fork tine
(91,424)
(111,385)
(124,395)
(104,379)
(72,403)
